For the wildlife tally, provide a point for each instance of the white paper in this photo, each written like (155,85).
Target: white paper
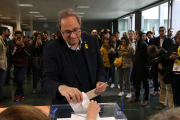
(81,107)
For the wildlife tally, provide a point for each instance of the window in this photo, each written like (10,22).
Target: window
(124,25)
(175,15)
(155,17)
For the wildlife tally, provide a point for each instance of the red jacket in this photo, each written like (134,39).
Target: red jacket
(20,54)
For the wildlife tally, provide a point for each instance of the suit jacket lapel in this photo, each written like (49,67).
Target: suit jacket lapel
(69,58)
(86,50)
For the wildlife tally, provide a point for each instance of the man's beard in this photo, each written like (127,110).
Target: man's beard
(7,36)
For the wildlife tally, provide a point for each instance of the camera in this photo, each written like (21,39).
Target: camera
(105,31)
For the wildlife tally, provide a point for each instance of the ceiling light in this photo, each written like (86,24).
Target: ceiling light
(5,18)
(33,12)
(42,18)
(24,24)
(81,13)
(82,6)
(25,5)
(38,16)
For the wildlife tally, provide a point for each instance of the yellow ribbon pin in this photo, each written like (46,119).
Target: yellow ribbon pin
(86,46)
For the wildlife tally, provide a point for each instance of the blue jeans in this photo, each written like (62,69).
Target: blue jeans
(3,74)
(175,83)
(107,73)
(19,72)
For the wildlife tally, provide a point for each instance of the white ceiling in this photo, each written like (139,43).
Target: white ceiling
(99,9)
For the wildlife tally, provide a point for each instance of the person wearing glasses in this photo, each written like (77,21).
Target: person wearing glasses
(72,63)
(164,42)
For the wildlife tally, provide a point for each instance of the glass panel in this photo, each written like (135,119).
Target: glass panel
(123,25)
(150,20)
(176,16)
(107,110)
(155,17)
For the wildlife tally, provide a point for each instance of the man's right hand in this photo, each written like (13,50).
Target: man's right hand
(70,92)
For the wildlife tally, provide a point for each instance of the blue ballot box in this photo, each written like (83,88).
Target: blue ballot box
(107,110)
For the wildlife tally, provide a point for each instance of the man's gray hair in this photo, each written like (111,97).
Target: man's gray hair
(65,13)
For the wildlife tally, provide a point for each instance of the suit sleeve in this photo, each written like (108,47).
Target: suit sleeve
(50,79)
(100,66)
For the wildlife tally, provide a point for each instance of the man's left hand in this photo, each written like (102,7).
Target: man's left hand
(100,87)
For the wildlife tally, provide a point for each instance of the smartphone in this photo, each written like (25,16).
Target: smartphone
(18,38)
(39,38)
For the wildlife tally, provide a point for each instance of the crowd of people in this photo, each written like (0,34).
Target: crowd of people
(142,58)
(136,49)
(145,59)
(25,54)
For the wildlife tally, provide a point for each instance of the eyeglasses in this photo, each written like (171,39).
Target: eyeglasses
(161,30)
(68,32)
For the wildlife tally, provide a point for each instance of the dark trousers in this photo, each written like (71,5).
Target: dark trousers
(155,78)
(107,73)
(175,83)
(29,67)
(138,88)
(8,72)
(3,74)
(35,77)
(112,69)
(19,72)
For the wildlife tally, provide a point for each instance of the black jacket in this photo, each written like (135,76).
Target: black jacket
(113,56)
(162,56)
(166,43)
(141,61)
(172,48)
(38,51)
(60,68)
(10,43)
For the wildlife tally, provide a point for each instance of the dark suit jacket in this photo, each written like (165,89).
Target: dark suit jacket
(141,61)
(60,68)
(166,43)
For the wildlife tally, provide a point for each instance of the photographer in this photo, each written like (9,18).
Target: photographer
(157,56)
(36,54)
(105,34)
(94,32)
(20,51)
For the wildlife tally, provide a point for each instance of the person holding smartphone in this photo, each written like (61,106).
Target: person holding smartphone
(174,60)
(36,54)
(20,51)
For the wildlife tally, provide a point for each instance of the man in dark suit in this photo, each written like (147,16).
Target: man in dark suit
(72,63)
(164,42)
(141,68)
